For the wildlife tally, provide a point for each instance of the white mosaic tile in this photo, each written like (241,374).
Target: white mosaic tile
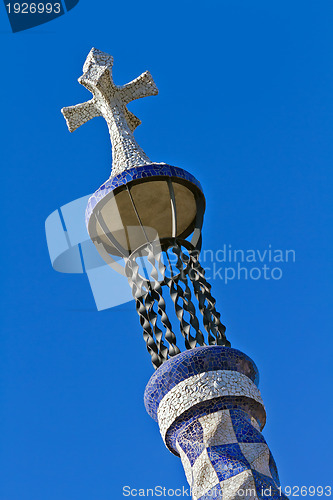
(217,428)
(204,476)
(257,454)
(239,487)
(255,424)
(186,464)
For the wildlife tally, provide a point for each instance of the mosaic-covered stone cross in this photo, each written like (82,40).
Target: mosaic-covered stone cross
(110,101)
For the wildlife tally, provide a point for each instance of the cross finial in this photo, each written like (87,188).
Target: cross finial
(110,102)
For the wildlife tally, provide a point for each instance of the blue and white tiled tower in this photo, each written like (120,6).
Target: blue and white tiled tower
(210,414)
(146,221)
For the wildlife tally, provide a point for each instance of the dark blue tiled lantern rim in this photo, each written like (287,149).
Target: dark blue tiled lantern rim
(137,173)
(193,362)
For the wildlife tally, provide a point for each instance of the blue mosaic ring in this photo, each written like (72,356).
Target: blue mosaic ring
(192,362)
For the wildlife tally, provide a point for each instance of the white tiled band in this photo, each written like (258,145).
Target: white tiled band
(203,387)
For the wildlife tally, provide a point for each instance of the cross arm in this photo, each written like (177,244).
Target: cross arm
(141,86)
(76,116)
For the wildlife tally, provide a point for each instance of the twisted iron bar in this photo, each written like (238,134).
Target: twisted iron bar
(177,292)
(157,294)
(163,350)
(202,288)
(144,311)
(148,292)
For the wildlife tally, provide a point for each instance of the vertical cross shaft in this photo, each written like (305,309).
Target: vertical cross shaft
(110,102)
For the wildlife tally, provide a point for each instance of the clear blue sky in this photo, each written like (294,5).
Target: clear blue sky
(245,104)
